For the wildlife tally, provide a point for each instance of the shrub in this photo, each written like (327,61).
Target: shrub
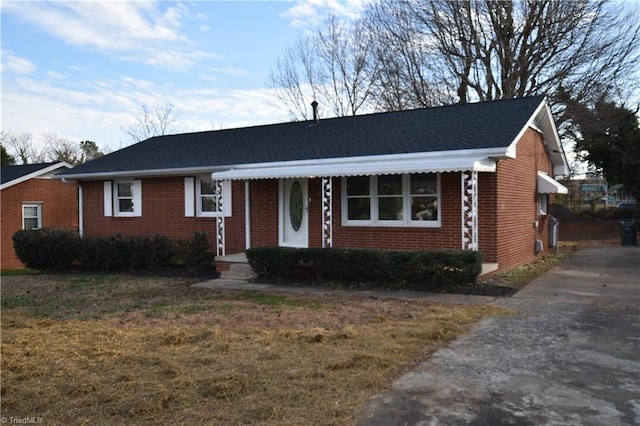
(47,249)
(415,270)
(195,252)
(54,249)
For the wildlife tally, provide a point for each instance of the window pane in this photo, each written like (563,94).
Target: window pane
(125,190)
(359,209)
(208,204)
(390,185)
(423,184)
(424,208)
(358,185)
(125,205)
(30,211)
(207,186)
(390,208)
(30,223)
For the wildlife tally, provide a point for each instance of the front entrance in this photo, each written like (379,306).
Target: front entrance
(293,213)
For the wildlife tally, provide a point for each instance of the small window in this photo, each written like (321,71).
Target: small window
(32,216)
(124,197)
(207,201)
(201,199)
(543,201)
(424,197)
(358,198)
(127,198)
(390,199)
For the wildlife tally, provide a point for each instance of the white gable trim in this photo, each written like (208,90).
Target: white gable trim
(542,121)
(38,173)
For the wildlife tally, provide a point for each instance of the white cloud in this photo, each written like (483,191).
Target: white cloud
(16,64)
(309,13)
(147,32)
(98,110)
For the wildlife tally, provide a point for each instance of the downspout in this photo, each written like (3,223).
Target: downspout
(247,216)
(80,210)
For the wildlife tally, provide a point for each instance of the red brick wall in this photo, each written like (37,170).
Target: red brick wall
(264,212)
(163,214)
(516,209)
(59,210)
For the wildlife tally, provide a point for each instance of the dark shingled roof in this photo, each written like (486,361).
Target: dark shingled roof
(10,173)
(470,126)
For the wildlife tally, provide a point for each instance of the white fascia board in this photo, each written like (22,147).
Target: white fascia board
(550,134)
(511,150)
(445,161)
(44,171)
(184,171)
(556,150)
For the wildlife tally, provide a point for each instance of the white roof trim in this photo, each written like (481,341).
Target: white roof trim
(545,125)
(548,185)
(445,161)
(181,171)
(37,173)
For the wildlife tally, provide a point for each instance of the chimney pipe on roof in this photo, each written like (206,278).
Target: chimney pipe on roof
(314,105)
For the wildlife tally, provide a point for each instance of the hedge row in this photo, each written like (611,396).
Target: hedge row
(60,249)
(390,269)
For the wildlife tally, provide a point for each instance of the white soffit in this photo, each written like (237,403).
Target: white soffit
(548,185)
(362,167)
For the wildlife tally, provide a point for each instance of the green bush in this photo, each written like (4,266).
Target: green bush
(369,268)
(47,249)
(56,249)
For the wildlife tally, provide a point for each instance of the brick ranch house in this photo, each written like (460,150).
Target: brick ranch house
(31,199)
(474,176)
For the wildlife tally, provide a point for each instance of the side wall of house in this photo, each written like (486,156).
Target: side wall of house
(518,220)
(163,213)
(59,210)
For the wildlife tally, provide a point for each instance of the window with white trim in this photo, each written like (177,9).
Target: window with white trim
(32,216)
(391,200)
(201,199)
(206,203)
(543,202)
(123,198)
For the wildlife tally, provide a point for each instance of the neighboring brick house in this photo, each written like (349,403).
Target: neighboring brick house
(474,176)
(31,199)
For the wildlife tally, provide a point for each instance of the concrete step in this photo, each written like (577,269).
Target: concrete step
(238,271)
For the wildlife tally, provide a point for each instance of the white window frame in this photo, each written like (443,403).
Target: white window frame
(38,206)
(407,220)
(543,204)
(193,198)
(136,197)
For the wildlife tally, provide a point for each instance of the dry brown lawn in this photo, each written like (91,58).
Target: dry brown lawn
(117,349)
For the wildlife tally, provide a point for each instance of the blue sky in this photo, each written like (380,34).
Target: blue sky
(83,69)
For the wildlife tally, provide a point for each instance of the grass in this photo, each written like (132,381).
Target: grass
(116,349)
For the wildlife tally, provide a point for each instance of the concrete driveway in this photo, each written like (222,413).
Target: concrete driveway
(569,356)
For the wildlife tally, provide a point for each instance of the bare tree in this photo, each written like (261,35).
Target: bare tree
(155,121)
(62,149)
(503,49)
(23,147)
(333,66)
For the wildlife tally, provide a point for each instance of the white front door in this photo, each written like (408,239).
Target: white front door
(293,213)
